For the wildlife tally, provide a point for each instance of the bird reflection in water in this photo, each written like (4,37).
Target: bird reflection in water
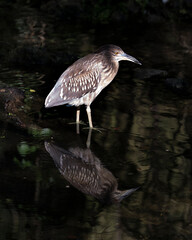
(82,169)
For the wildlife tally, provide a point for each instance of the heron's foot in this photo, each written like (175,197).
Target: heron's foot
(95,129)
(80,123)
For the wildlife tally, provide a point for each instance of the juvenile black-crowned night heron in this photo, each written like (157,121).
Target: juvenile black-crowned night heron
(85,79)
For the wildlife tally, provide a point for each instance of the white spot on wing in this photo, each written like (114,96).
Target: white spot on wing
(61,94)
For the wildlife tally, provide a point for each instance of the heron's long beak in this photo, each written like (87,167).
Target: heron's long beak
(130,58)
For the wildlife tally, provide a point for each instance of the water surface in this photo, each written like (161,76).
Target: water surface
(145,141)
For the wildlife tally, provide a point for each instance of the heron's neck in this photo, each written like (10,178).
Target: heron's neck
(115,66)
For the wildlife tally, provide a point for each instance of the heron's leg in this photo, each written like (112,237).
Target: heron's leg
(77,120)
(78,115)
(88,143)
(88,109)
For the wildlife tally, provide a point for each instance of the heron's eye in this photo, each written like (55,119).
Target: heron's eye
(116,53)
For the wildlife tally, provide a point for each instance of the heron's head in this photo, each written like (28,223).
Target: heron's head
(117,53)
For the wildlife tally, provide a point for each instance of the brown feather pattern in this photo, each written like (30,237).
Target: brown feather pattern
(84,80)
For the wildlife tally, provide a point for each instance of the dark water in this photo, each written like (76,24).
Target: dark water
(53,187)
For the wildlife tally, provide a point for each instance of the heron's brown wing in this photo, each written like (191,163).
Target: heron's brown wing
(80,78)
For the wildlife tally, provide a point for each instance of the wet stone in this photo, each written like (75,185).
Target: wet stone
(149,73)
(176,83)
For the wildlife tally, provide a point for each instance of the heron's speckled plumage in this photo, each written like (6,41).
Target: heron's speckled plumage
(84,79)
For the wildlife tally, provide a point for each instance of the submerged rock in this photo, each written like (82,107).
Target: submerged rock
(11,98)
(15,108)
(179,86)
(176,83)
(149,73)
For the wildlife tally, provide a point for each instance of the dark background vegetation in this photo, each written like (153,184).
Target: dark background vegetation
(106,11)
(34,47)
